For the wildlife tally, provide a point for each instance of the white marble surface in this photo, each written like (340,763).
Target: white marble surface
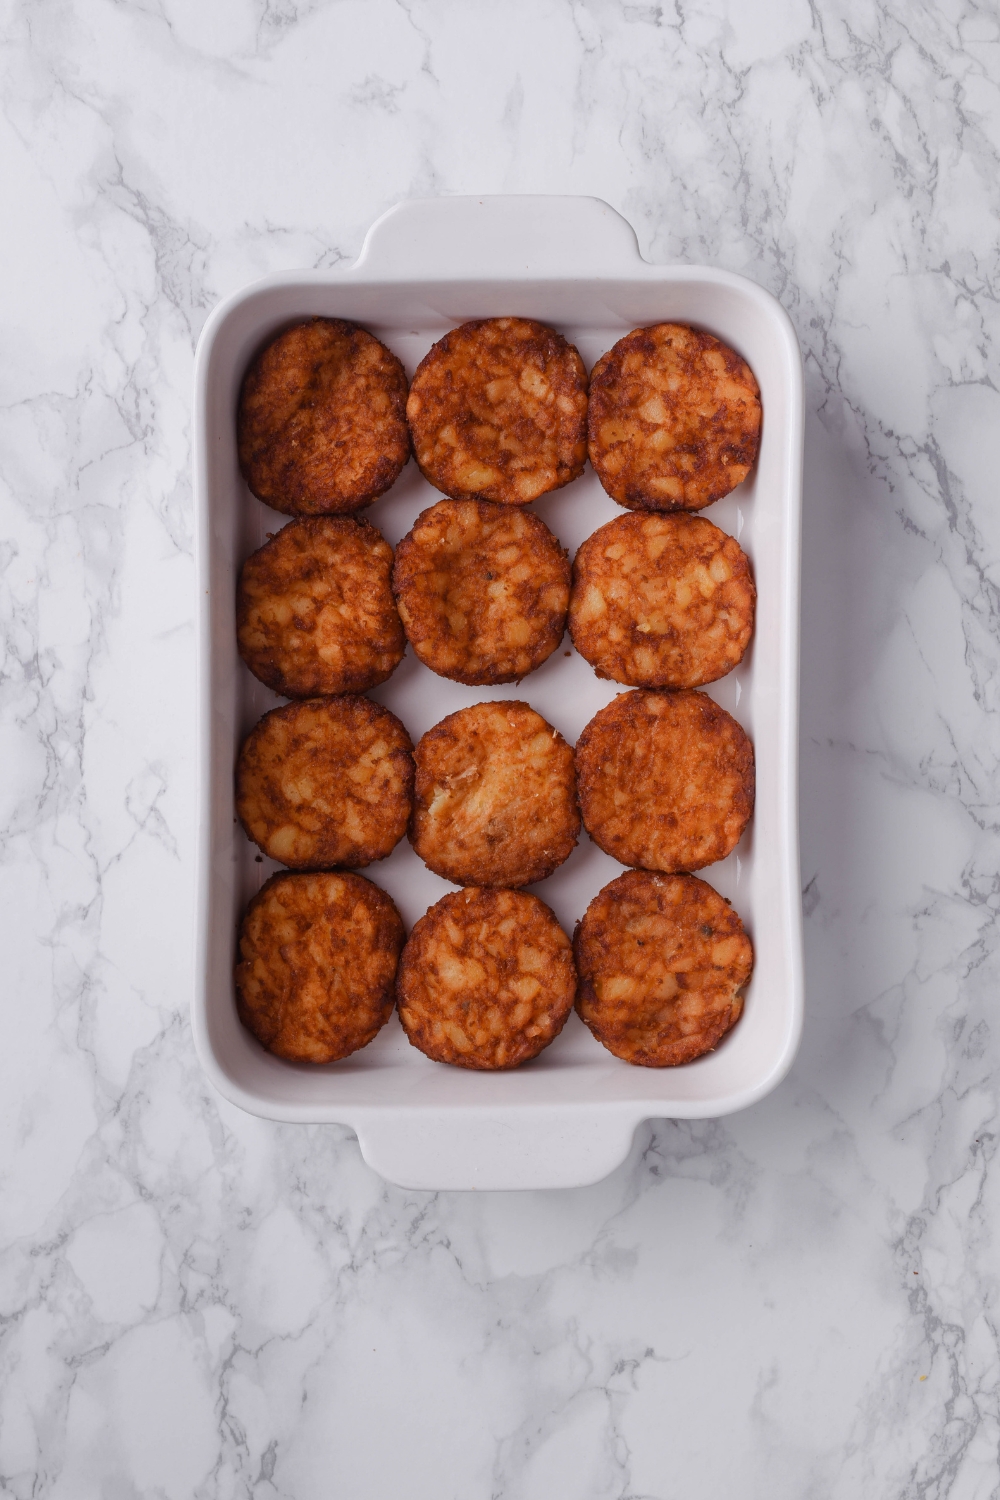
(800,1301)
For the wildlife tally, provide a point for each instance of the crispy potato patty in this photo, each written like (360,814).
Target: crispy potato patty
(666,780)
(674,419)
(661,601)
(317,961)
(662,960)
(498,411)
(482,590)
(322,419)
(495,799)
(326,782)
(486,980)
(314,610)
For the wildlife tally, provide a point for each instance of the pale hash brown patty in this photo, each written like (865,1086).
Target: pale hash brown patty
(662,961)
(486,980)
(482,590)
(321,428)
(495,797)
(674,419)
(317,963)
(661,601)
(326,782)
(666,780)
(314,611)
(498,411)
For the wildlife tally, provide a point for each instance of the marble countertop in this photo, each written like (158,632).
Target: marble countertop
(798,1301)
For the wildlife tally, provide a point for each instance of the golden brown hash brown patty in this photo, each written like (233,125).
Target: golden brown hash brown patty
(666,780)
(482,590)
(322,419)
(662,960)
(314,610)
(317,961)
(498,411)
(661,601)
(486,980)
(495,797)
(326,782)
(674,419)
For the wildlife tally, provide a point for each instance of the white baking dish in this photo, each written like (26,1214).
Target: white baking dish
(568,1117)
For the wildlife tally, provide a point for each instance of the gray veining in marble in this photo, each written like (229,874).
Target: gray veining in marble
(799,1302)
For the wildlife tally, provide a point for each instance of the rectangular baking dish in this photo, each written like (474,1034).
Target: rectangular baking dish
(568,1117)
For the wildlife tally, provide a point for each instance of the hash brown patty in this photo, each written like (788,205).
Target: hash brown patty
(486,980)
(666,780)
(482,590)
(498,411)
(314,611)
(662,960)
(326,782)
(495,797)
(674,419)
(321,428)
(317,962)
(661,601)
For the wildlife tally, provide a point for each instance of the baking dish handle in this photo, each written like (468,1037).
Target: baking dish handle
(474,239)
(549,1147)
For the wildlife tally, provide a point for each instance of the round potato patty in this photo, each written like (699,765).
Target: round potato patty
(314,610)
(662,960)
(495,797)
(486,980)
(322,427)
(666,780)
(674,419)
(482,590)
(317,962)
(661,601)
(498,411)
(326,782)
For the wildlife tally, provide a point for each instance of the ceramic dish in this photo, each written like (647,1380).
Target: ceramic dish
(567,1118)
